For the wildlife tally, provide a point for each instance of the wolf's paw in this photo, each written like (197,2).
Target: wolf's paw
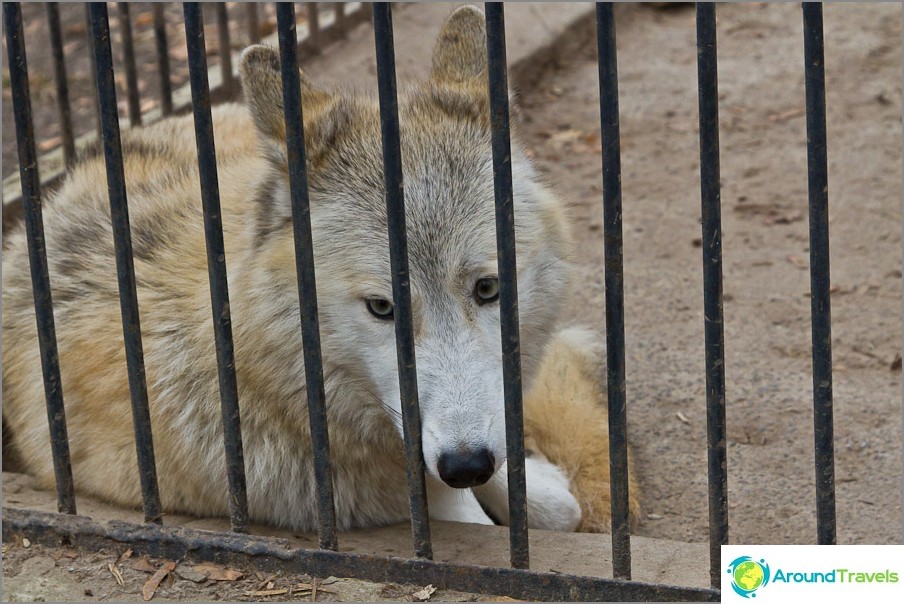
(550,504)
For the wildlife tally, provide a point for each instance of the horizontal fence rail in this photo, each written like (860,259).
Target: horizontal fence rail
(266,552)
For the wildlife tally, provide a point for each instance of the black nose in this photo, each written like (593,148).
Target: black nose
(464,470)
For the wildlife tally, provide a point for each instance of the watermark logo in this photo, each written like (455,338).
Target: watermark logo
(748,575)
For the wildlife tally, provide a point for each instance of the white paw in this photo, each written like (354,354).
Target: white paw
(550,505)
(454,505)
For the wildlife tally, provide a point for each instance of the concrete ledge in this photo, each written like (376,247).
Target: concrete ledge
(654,560)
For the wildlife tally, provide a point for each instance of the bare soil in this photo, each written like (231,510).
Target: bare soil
(766,256)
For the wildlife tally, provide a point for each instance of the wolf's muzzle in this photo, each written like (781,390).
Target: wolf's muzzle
(466,469)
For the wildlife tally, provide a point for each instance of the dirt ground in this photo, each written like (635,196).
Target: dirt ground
(765,256)
(767,306)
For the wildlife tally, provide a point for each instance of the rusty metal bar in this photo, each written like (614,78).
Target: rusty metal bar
(508,284)
(615,289)
(125,270)
(273,554)
(714,331)
(307,284)
(216,265)
(128,61)
(37,256)
(224,46)
(59,78)
(163,67)
(401,290)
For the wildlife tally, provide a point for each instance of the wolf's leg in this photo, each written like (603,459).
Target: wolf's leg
(454,505)
(550,505)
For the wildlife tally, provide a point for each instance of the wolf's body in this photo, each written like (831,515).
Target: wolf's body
(448,189)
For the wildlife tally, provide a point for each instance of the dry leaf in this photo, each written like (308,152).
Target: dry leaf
(50,143)
(116,573)
(785,116)
(267,592)
(151,585)
(126,555)
(143,564)
(424,594)
(798,262)
(215,572)
(683,417)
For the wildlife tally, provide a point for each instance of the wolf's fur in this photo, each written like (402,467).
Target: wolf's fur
(450,216)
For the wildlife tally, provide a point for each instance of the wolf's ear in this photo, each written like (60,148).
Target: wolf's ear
(262,85)
(460,54)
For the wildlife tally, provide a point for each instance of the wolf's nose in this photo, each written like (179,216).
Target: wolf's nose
(464,470)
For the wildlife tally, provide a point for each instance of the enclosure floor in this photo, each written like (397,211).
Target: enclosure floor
(766,256)
(654,560)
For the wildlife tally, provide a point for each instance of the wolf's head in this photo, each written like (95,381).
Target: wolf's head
(448,188)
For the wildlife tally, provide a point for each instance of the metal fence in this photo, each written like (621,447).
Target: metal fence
(518,581)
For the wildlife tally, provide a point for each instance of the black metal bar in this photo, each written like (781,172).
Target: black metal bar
(615,289)
(216,265)
(304,262)
(820,303)
(508,284)
(314,26)
(225,48)
(128,61)
(273,554)
(254,32)
(59,77)
(163,67)
(37,256)
(339,8)
(401,291)
(125,270)
(93,69)
(714,332)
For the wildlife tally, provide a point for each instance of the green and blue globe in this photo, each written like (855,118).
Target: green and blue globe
(748,575)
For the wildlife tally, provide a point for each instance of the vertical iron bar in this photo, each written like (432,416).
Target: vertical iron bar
(225,47)
(339,7)
(615,289)
(128,61)
(304,262)
(166,87)
(314,26)
(37,256)
(93,69)
(401,292)
(125,270)
(59,77)
(710,195)
(254,32)
(508,283)
(821,312)
(216,265)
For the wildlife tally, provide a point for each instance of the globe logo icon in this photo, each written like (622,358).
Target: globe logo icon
(748,575)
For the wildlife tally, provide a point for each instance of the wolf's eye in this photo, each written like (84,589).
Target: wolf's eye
(380,308)
(486,290)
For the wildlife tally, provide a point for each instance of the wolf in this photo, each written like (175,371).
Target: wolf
(448,179)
